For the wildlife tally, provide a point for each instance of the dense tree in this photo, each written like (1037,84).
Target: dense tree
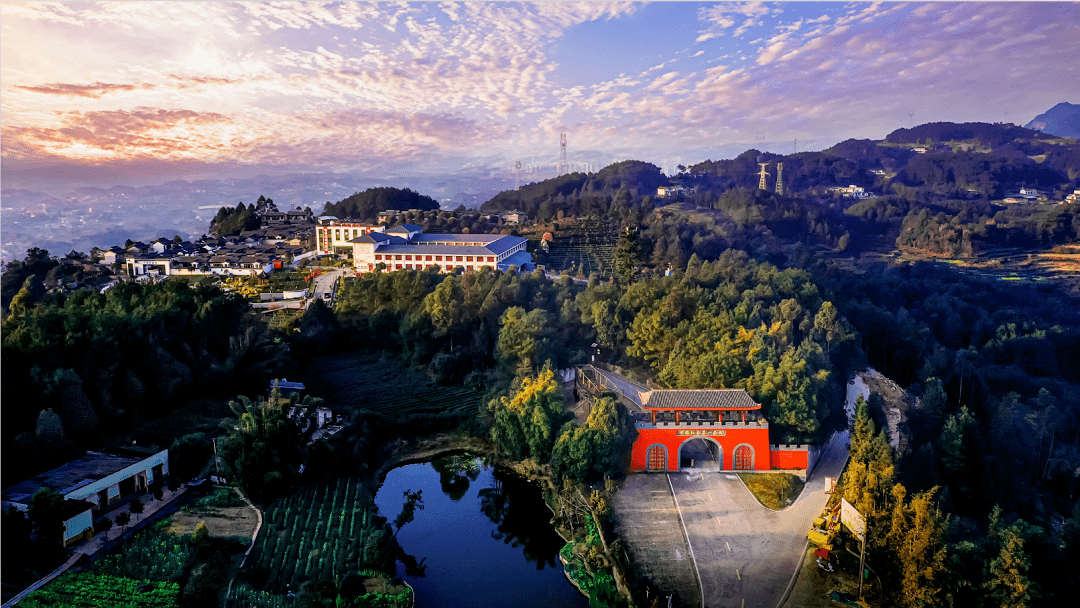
(524,426)
(262,447)
(598,448)
(627,258)
(46,515)
(367,204)
(229,222)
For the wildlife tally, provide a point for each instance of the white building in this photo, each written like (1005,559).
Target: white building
(666,191)
(332,233)
(91,484)
(407,247)
(852,191)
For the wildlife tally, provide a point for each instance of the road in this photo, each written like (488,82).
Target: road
(324,284)
(625,387)
(744,551)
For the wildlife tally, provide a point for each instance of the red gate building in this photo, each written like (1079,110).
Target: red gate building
(723,425)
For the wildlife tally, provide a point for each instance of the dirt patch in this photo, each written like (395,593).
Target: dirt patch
(221,521)
(813,585)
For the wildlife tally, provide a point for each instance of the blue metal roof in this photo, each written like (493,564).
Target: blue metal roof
(435,250)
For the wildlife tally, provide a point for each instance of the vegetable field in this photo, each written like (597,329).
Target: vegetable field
(389,387)
(89,590)
(316,533)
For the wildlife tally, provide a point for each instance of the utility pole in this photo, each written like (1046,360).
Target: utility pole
(862,563)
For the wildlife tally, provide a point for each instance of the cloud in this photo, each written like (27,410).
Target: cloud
(375,85)
(721,17)
(94,90)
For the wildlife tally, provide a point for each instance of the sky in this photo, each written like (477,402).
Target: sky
(150,92)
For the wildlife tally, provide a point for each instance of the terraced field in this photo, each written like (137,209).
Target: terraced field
(588,248)
(387,386)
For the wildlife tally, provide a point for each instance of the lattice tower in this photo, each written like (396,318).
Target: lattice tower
(564,168)
(780,179)
(763,184)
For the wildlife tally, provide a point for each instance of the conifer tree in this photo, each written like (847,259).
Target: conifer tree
(1007,583)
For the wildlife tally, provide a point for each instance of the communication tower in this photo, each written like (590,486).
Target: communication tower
(517,175)
(780,179)
(911,118)
(763,184)
(563,166)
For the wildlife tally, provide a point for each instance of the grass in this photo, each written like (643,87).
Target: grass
(773,490)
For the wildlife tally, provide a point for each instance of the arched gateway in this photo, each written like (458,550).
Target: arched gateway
(719,430)
(708,429)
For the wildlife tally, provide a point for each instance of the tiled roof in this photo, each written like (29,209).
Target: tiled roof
(423,249)
(728,398)
(405,228)
(378,237)
(458,238)
(493,243)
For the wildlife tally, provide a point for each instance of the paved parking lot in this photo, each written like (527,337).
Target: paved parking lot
(746,554)
(647,521)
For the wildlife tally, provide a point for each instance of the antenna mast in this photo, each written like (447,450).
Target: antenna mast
(779,179)
(563,166)
(763,184)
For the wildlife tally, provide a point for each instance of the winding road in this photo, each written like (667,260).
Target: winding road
(747,554)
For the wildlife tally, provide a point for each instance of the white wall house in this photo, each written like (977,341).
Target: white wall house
(91,484)
(332,233)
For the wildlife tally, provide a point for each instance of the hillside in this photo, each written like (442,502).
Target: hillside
(581,193)
(366,205)
(1062,120)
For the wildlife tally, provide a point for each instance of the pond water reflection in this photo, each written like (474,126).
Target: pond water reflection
(483,534)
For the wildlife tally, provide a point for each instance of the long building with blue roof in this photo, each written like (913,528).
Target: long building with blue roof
(407,247)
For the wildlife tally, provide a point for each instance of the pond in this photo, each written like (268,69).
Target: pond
(483,535)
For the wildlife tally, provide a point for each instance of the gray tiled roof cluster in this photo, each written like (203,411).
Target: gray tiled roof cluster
(728,398)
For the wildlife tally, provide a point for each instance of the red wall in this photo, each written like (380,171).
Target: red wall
(756,437)
(789,459)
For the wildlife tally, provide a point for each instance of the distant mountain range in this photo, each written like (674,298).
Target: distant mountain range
(1062,120)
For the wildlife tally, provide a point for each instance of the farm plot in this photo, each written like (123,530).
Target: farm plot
(316,533)
(587,247)
(388,387)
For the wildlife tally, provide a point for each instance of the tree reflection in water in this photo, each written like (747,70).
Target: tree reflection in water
(518,511)
(456,473)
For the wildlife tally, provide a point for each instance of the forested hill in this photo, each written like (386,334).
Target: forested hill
(986,133)
(367,204)
(575,193)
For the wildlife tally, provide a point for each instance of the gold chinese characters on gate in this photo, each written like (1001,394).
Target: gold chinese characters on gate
(697,432)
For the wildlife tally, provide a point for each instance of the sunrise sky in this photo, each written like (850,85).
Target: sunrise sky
(155,91)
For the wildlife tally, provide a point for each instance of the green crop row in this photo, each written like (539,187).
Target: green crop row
(88,590)
(314,534)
